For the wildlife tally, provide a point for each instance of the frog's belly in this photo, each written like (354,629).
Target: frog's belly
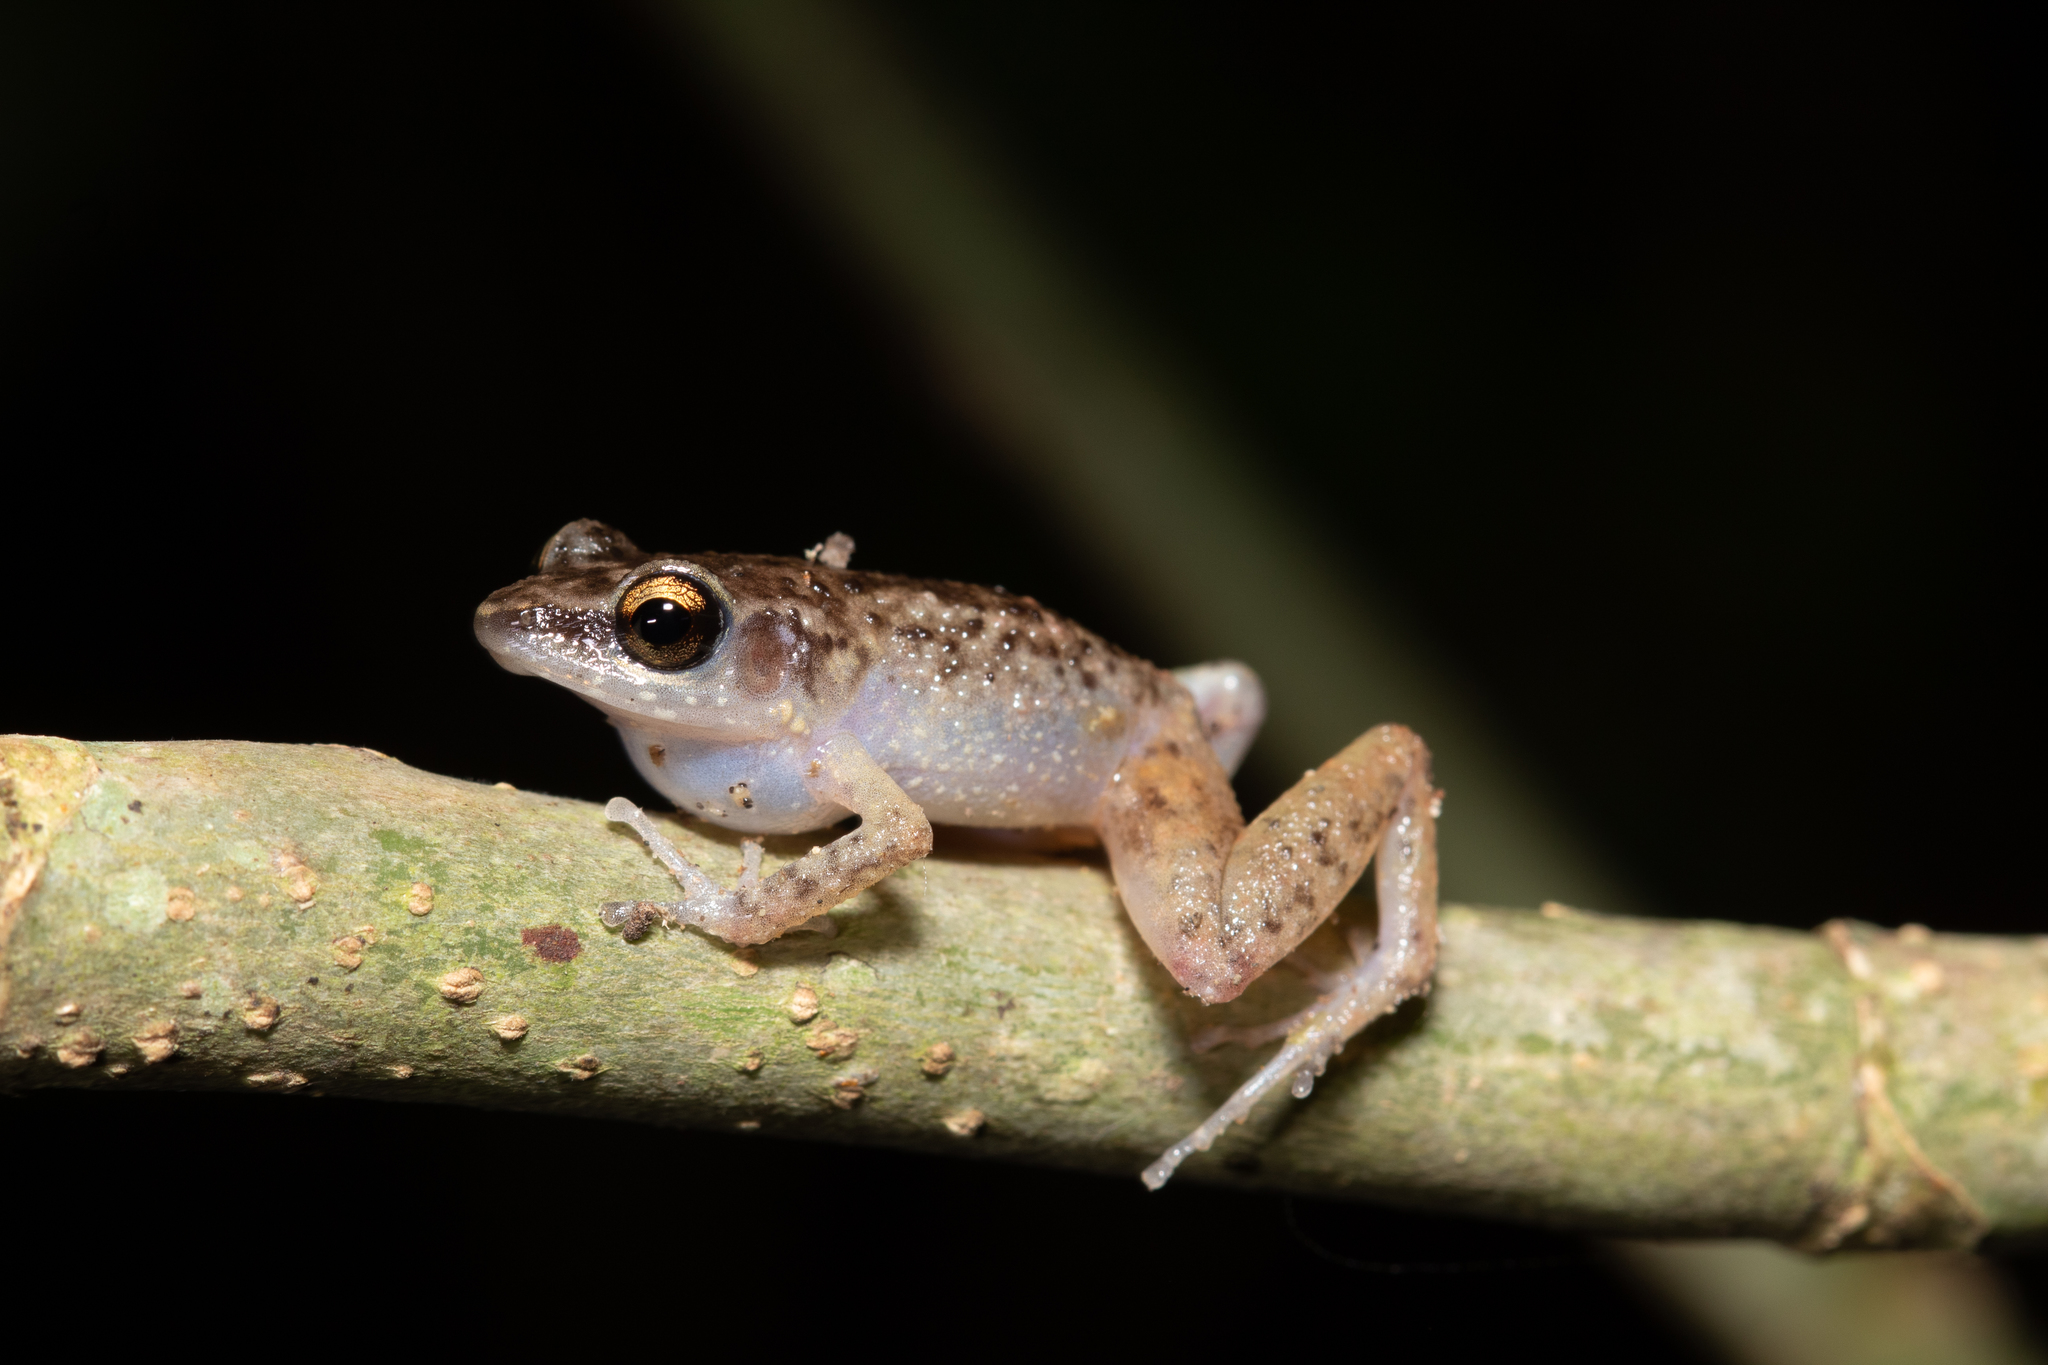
(1046,776)
(1001,796)
(994,766)
(753,788)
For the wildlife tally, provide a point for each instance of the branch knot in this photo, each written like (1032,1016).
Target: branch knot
(1893,1195)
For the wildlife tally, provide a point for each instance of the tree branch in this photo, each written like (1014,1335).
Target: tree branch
(325,920)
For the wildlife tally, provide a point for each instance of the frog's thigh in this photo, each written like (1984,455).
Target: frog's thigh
(893,833)
(1232,706)
(1169,821)
(1300,856)
(1219,901)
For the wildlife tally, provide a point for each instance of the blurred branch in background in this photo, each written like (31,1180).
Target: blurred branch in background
(1170,502)
(1771,1306)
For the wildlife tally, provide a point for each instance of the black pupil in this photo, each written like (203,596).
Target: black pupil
(661,621)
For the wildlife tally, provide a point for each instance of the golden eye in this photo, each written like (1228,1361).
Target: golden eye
(669,622)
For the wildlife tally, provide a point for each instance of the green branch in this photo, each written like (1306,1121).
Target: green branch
(325,920)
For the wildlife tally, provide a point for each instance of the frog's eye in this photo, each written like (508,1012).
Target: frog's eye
(669,621)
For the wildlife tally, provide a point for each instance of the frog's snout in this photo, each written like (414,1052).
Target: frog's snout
(493,624)
(505,627)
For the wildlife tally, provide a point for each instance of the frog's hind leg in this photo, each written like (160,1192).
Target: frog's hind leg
(893,832)
(1279,879)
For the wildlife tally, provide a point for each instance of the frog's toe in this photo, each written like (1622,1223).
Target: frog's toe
(634,918)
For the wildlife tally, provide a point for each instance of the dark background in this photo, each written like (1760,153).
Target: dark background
(1700,340)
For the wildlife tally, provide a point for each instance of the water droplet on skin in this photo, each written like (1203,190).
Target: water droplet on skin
(1304,1081)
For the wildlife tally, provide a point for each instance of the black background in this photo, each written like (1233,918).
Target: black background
(1701,338)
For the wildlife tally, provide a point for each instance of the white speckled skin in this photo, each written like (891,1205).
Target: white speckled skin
(828,691)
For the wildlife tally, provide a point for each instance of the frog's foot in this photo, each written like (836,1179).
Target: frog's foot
(1329,983)
(893,832)
(704,903)
(1226,1035)
(1398,967)
(634,918)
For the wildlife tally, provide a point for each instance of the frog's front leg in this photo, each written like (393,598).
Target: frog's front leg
(1220,902)
(893,833)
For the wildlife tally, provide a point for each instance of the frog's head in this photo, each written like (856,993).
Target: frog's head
(658,641)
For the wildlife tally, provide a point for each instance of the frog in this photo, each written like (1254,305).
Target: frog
(785,694)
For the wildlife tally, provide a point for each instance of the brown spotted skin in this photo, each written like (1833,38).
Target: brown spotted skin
(814,626)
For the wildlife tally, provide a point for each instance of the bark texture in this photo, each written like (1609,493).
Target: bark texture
(325,920)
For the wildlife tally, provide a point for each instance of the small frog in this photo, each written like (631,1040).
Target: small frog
(776,695)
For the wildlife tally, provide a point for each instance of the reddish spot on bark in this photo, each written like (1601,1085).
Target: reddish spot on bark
(552,942)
